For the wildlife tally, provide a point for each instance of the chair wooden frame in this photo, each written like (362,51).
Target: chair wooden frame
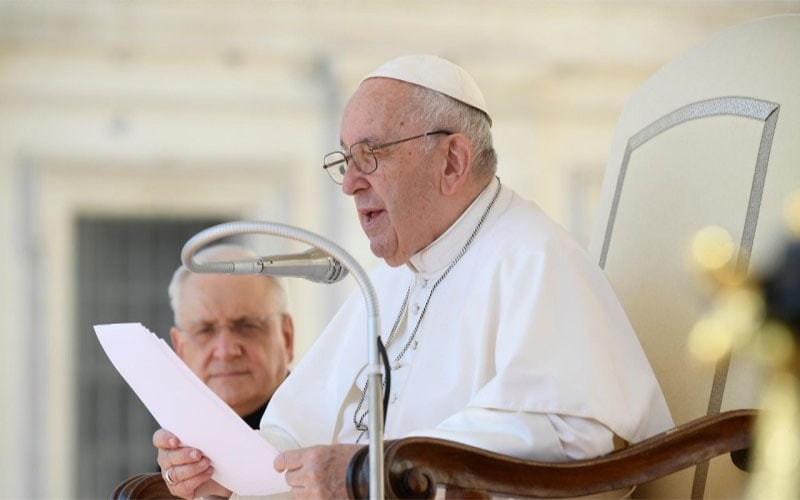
(146,486)
(414,467)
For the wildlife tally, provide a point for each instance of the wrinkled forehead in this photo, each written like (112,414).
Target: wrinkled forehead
(379,106)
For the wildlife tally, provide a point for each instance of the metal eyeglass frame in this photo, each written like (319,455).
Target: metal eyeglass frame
(335,163)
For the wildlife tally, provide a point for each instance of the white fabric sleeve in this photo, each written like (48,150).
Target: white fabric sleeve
(582,437)
(531,436)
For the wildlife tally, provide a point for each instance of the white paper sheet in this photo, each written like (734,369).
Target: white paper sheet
(182,404)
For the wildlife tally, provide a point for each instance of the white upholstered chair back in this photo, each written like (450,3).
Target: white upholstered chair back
(713,138)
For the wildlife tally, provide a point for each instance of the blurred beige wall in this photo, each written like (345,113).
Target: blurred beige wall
(176,108)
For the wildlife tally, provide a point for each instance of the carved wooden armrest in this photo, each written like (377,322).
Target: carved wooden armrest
(147,486)
(415,466)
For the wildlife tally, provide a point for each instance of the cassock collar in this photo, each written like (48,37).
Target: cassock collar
(444,249)
(254,419)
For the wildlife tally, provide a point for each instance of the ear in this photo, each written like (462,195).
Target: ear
(287,327)
(459,163)
(175,336)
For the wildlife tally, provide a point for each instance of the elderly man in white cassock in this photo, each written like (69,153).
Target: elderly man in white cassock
(501,331)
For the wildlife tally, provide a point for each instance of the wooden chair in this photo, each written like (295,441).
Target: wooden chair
(149,486)
(416,466)
(713,138)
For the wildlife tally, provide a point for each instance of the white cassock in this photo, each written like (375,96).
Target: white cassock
(522,348)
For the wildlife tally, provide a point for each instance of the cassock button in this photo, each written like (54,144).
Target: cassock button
(394,398)
(415,309)
(396,366)
(414,345)
(424,283)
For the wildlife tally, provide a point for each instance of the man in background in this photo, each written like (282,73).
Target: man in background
(234,332)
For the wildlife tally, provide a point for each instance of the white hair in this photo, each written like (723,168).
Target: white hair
(443,112)
(219,252)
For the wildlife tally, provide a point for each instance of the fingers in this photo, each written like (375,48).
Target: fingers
(188,479)
(316,472)
(184,462)
(288,460)
(165,439)
(187,467)
(189,470)
(170,451)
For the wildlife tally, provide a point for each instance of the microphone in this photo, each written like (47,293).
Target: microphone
(313,265)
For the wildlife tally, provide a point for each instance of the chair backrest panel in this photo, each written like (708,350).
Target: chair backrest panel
(711,139)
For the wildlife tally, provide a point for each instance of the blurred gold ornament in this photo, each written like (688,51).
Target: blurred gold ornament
(710,340)
(712,248)
(791,213)
(776,461)
(737,309)
(758,319)
(736,315)
(775,345)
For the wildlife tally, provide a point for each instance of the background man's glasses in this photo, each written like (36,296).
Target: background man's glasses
(245,328)
(363,156)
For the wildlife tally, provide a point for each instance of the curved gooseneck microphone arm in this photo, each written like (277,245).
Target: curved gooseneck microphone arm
(374,373)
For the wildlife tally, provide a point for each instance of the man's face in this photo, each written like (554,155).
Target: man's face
(396,203)
(233,337)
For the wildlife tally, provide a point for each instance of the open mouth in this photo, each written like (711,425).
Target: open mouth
(368,215)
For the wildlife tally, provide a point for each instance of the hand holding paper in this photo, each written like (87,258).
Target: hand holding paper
(182,404)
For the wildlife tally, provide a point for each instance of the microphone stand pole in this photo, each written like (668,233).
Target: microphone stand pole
(374,372)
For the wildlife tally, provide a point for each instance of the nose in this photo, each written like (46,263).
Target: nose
(227,344)
(354,179)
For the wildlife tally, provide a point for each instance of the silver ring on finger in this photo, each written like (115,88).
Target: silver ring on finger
(167,475)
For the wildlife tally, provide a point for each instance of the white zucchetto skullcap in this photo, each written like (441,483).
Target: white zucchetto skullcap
(437,74)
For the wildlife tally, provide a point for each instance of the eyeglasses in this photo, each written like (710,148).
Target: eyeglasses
(363,156)
(244,329)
